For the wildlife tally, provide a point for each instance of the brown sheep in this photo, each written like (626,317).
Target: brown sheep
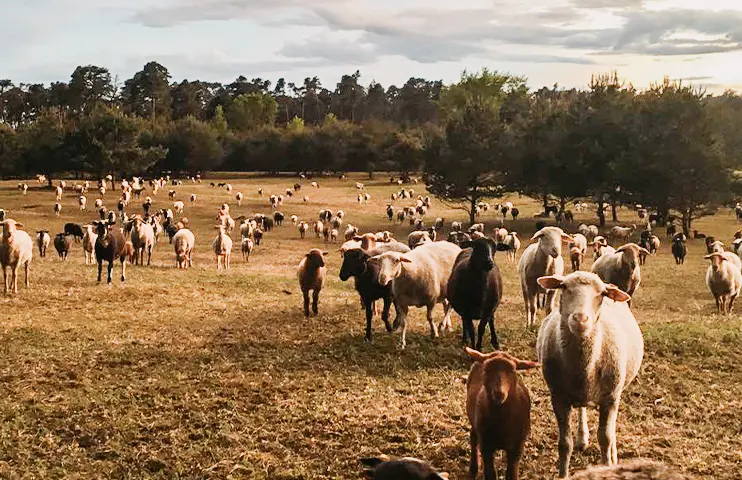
(311,275)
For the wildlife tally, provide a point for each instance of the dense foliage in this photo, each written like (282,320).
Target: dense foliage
(671,147)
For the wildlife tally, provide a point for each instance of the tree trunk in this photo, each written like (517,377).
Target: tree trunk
(49,180)
(601,210)
(563,204)
(614,211)
(472,210)
(545,201)
(687,221)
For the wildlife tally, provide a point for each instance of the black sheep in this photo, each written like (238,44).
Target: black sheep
(475,289)
(390,212)
(514,212)
(109,246)
(62,243)
(679,250)
(268,224)
(402,469)
(73,229)
(258,234)
(355,265)
(297,186)
(278,218)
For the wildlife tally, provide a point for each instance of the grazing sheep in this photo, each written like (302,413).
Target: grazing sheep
(636,469)
(590,350)
(303,229)
(622,234)
(311,274)
(88,244)
(16,251)
(143,239)
(500,234)
(228,187)
(355,264)
(247,247)
(62,244)
(171,194)
(278,218)
(697,234)
(109,246)
(456,226)
(538,259)
(334,235)
(315,184)
(420,279)
(499,409)
(350,232)
(407,468)
(475,290)
(724,279)
(621,268)
(222,247)
(42,241)
(679,250)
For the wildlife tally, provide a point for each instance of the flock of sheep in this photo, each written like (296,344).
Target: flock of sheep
(589,345)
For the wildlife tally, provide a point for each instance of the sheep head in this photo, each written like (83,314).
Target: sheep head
(581,298)
(717,259)
(550,240)
(631,252)
(483,251)
(390,266)
(314,258)
(499,373)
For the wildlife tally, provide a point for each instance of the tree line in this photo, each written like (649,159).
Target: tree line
(670,146)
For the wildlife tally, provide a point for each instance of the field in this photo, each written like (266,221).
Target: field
(206,374)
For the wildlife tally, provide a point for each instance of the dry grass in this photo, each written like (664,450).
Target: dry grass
(201,374)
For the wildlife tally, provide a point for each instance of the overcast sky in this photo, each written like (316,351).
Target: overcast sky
(548,41)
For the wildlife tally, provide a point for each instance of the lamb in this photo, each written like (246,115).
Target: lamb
(601,247)
(193,199)
(238,196)
(42,241)
(679,250)
(247,247)
(512,241)
(318,228)
(109,246)
(16,251)
(499,409)
(475,290)
(58,193)
(621,268)
(294,219)
(350,232)
(82,201)
(355,264)
(407,468)
(539,259)
(62,244)
(88,244)
(222,247)
(500,234)
(590,350)
(303,229)
(143,239)
(311,275)
(636,469)
(420,279)
(622,233)
(724,279)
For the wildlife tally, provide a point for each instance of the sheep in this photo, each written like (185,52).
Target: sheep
(334,235)
(359,199)
(303,229)
(621,268)
(539,259)
(456,226)
(57,208)
(622,233)
(499,235)
(82,202)
(258,235)
(238,196)
(143,239)
(193,199)
(325,216)
(698,235)
(499,409)
(294,219)
(247,247)
(16,251)
(311,275)
(102,191)
(367,197)
(407,468)
(260,192)
(475,290)
(109,246)
(178,207)
(337,222)
(679,250)
(418,223)
(635,469)
(2,215)
(222,247)
(228,187)
(724,279)
(278,218)
(42,241)
(359,186)
(477,227)
(62,244)
(315,184)
(514,212)
(350,232)
(355,264)
(318,227)
(88,244)
(420,278)
(415,239)
(171,194)
(58,193)
(390,212)
(601,247)
(590,350)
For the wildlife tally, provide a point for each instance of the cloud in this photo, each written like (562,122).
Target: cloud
(616,4)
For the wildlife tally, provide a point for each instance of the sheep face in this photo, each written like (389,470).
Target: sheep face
(498,372)
(390,266)
(483,251)
(10,226)
(631,253)
(354,264)
(717,259)
(550,240)
(581,298)
(314,259)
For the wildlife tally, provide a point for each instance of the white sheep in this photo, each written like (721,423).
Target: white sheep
(318,228)
(16,251)
(143,239)
(82,201)
(621,268)
(512,240)
(294,219)
(43,240)
(239,198)
(540,259)
(622,233)
(98,203)
(247,247)
(57,208)
(601,247)
(590,349)
(88,244)
(183,242)
(499,234)
(724,279)
(417,238)
(350,232)
(419,279)
(193,199)
(303,229)
(58,193)
(178,207)
(222,247)
(228,187)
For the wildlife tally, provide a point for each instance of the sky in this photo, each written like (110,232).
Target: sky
(550,42)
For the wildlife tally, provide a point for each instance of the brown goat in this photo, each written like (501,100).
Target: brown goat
(499,409)
(311,275)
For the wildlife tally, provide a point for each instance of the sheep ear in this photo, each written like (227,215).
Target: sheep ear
(616,294)
(567,238)
(644,251)
(552,282)
(537,235)
(405,259)
(526,365)
(18,225)
(357,238)
(325,253)
(475,355)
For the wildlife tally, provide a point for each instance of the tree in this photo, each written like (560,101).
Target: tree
(89,86)
(9,150)
(349,95)
(251,111)
(192,146)
(147,93)
(190,98)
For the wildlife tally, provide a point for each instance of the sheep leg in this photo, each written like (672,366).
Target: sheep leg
(227,259)
(401,320)
(530,309)
(465,331)
(493,333)
(5,279)
(100,268)
(385,314)
(433,327)
(123,268)
(562,411)
(474,460)
(369,316)
(513,459)
(149,255)
(607,432)
(488,464)
(549,301)
(110,272)
(583,431)
(28,283)
(306,302)
(480,332)
(15,278)
(315,300)
(732,298)
(445,325)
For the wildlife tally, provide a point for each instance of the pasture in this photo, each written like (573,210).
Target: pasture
(205,374)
